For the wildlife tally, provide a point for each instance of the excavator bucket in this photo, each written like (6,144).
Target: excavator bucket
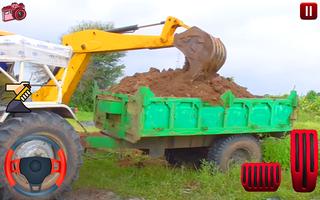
(204,53)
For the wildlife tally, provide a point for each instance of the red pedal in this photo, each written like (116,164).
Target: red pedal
(304,159)
(260,177)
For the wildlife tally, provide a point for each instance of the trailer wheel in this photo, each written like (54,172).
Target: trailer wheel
(40,154)
(235,149)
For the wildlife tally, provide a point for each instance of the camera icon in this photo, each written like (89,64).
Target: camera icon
(14,11)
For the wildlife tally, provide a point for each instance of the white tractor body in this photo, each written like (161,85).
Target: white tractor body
(34,61)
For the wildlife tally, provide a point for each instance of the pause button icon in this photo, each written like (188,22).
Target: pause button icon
(308,11)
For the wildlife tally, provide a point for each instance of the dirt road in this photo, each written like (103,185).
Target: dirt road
(95,194)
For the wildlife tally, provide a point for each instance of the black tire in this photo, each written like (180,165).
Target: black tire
(38,123)
(224,151)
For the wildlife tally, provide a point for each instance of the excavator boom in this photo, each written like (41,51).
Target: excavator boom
(204,53)
(97,41)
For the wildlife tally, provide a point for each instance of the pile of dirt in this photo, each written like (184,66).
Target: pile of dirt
(179,83)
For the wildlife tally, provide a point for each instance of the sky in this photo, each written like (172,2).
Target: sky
(270,50)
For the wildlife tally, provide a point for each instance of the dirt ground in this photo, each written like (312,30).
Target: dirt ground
(95,194)
(180,83)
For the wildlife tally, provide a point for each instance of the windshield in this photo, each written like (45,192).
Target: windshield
(32,72)
(36,75)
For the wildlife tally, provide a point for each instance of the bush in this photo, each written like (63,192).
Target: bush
(310,103)
(277,150)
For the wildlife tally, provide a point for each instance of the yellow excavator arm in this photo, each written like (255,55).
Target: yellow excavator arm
(204,53)
(86,42)
(97,41)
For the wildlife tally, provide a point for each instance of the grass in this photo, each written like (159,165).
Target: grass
(174,183)
(83,117)
(102,171)
(307,121)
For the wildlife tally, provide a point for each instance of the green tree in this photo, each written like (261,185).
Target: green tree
(104,68)
(312,95)
(311,103)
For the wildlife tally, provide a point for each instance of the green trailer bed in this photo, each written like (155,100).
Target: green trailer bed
(144,115)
